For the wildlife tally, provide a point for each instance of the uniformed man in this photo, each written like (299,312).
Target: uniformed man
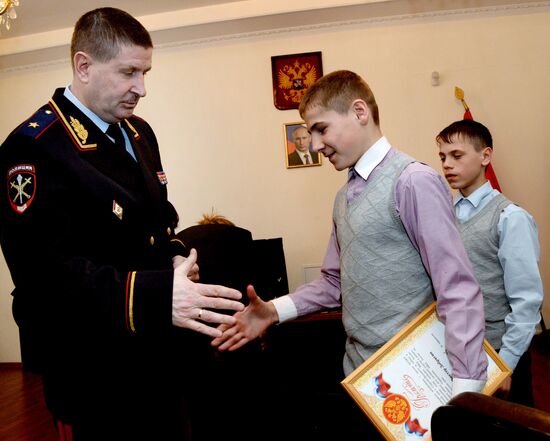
(88,235)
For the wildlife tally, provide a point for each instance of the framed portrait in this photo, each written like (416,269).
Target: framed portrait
(297,143)
(402,384)
(292,75)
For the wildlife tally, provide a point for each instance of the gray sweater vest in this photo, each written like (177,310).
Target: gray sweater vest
(480,236)
(383,281)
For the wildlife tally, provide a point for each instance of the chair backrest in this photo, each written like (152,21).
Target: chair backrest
(227,255)
(474,416)
(270,276)
(224,254)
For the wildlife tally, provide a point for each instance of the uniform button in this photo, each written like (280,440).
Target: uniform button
(169,231)
(152,240)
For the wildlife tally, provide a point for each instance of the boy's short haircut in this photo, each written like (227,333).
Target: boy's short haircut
(472,131)
(336,91)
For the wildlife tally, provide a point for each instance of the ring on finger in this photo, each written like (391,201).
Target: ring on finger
(200,313)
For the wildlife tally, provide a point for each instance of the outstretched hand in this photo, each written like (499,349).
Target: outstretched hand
(192,303)
(249,324)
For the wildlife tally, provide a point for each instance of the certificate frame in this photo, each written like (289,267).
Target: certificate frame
(401,408)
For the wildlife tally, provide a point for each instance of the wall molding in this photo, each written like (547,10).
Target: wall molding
(270,26)
(373,21)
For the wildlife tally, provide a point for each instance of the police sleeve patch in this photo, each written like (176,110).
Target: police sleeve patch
(21,186)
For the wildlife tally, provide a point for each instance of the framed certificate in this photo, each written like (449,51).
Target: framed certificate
(402,384)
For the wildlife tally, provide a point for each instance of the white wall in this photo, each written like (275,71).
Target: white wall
(222,139)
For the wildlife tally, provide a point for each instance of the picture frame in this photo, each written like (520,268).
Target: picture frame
(295,134)
(402,384)
(292,74)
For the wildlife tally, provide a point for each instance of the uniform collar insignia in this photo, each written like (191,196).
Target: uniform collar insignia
(78,132)
(133,129)
(81,132)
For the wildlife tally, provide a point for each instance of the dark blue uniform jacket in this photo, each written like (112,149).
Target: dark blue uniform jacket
(87,233)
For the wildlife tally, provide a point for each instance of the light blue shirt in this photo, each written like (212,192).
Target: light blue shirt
(518,254)
(103,126)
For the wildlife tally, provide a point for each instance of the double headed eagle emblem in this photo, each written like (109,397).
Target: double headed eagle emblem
(295,78)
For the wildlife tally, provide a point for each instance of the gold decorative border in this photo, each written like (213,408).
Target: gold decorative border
(392,350)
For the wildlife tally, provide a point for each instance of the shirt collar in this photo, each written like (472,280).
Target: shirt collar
(372,157)
(477,196)
(103,126)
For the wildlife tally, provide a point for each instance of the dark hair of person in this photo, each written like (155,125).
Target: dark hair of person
(101,33)
(337,91)
(466,129)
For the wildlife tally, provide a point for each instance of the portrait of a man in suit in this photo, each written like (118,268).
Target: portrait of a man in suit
(298,145)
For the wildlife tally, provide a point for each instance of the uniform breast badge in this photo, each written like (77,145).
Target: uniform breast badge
(162,177)
(117,209)
(21,187)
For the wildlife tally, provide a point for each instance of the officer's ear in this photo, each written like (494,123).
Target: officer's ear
(81,63)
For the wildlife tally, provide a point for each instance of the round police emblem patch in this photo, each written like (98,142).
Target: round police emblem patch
(21,186)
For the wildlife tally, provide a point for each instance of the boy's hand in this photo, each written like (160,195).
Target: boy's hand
(249,325)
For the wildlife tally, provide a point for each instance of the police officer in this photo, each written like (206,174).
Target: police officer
(88,235)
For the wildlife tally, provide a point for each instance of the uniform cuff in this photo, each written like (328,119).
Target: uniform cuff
(149,301)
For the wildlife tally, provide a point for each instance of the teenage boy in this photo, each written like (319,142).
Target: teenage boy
(501,240)
(394,244)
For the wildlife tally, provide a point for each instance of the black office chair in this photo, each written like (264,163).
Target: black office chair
(227,255)
(270,276)
(474,416)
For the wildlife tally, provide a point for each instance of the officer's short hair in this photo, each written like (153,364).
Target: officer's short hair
(100,33)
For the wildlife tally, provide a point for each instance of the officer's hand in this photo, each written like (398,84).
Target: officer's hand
(193,273)
(190,301)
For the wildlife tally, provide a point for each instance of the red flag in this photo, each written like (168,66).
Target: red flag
(489,172)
